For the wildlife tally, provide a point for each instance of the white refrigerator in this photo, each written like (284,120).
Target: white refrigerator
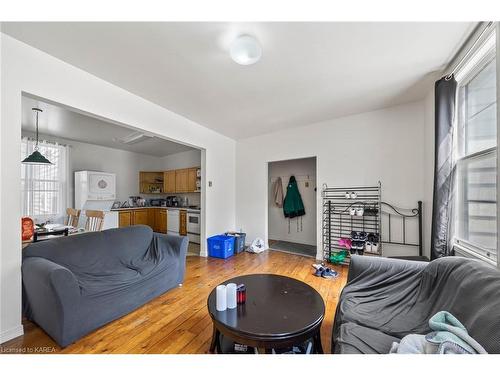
(96,191)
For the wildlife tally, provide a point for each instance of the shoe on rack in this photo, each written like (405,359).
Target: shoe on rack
(368,246)
(373,237)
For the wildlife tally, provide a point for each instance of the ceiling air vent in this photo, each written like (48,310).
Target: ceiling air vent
(133,138)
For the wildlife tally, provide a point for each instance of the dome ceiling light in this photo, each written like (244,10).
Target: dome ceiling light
(245,50)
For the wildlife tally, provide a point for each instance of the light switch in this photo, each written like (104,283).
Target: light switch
(307,183)
(209,183)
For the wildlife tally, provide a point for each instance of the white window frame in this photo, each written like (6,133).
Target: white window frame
(61,182)
(473,66)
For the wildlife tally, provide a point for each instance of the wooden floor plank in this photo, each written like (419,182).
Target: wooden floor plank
(178,321)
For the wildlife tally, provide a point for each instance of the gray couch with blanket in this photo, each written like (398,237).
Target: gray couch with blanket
(387,299)
(73,285)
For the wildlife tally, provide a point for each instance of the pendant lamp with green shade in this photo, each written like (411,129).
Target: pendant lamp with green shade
(36,158)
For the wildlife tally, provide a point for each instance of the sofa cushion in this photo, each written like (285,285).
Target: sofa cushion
(104,261)
(397,306)
(352,338)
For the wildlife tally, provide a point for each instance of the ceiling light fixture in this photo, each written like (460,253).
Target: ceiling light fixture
(245,50)
(36,158)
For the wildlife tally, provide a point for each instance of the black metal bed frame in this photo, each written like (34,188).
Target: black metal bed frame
(416,213)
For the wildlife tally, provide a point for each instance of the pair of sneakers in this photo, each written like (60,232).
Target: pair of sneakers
(359,236)
(324,272)
(358,247)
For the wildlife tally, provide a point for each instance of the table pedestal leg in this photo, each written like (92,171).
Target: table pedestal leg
(215,340)
(318,348)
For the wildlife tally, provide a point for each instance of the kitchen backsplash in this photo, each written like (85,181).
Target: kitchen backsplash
(194,198)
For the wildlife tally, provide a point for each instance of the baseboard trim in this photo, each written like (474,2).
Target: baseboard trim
(11,333)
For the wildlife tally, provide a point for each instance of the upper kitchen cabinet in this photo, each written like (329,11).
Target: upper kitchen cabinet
(151,182)
(181,181)
(169,181)
(192,177)
(186,180)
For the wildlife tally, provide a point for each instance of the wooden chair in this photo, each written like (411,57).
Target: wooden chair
(95,220)
(73,217)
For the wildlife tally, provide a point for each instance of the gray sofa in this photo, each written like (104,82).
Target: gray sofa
(73,285)
(387,299)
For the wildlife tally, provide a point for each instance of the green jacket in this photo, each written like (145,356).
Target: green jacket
(293,205)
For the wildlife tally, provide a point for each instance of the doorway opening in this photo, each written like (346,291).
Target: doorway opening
(147,179)
(292,206)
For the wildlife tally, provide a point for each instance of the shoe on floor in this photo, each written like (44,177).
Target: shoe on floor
(319,272)
(329,274)
(317,266)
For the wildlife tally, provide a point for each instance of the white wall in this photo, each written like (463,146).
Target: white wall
(385,145)
(26,69)
(304,171)
(186,159)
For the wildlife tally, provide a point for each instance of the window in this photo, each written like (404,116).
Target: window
(476,155)
(43,187)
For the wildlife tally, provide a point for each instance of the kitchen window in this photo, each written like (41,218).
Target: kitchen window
(43,187)
(476,155)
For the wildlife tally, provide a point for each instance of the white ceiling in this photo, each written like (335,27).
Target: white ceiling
(60,122)
(309,72)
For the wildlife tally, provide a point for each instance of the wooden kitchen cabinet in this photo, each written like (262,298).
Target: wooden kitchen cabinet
(181,180)
(140,217)
(160,221)
(183,223)
(169,181)
(151,218)
(151,182)
(191,183)
(124,219)
(154,217)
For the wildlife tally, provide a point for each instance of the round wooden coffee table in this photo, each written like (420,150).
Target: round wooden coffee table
(279,312)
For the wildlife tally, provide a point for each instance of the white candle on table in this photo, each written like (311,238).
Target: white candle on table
(231,295)
(221,298)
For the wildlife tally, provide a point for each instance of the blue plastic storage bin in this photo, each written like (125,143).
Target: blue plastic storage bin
(239,241)
(220,246)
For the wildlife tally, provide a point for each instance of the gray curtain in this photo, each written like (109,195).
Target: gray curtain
(445,102)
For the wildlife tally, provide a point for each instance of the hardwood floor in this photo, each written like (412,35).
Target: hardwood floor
(178,321)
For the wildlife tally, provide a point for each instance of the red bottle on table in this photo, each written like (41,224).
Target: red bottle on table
(241,294)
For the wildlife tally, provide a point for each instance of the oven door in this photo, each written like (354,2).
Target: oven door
(193,223)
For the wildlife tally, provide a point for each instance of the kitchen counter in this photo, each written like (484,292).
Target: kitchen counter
(156,207)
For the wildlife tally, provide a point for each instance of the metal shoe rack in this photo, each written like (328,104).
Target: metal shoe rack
(339,223)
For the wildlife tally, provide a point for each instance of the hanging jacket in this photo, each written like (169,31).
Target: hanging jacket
(278,192)
(293,205)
